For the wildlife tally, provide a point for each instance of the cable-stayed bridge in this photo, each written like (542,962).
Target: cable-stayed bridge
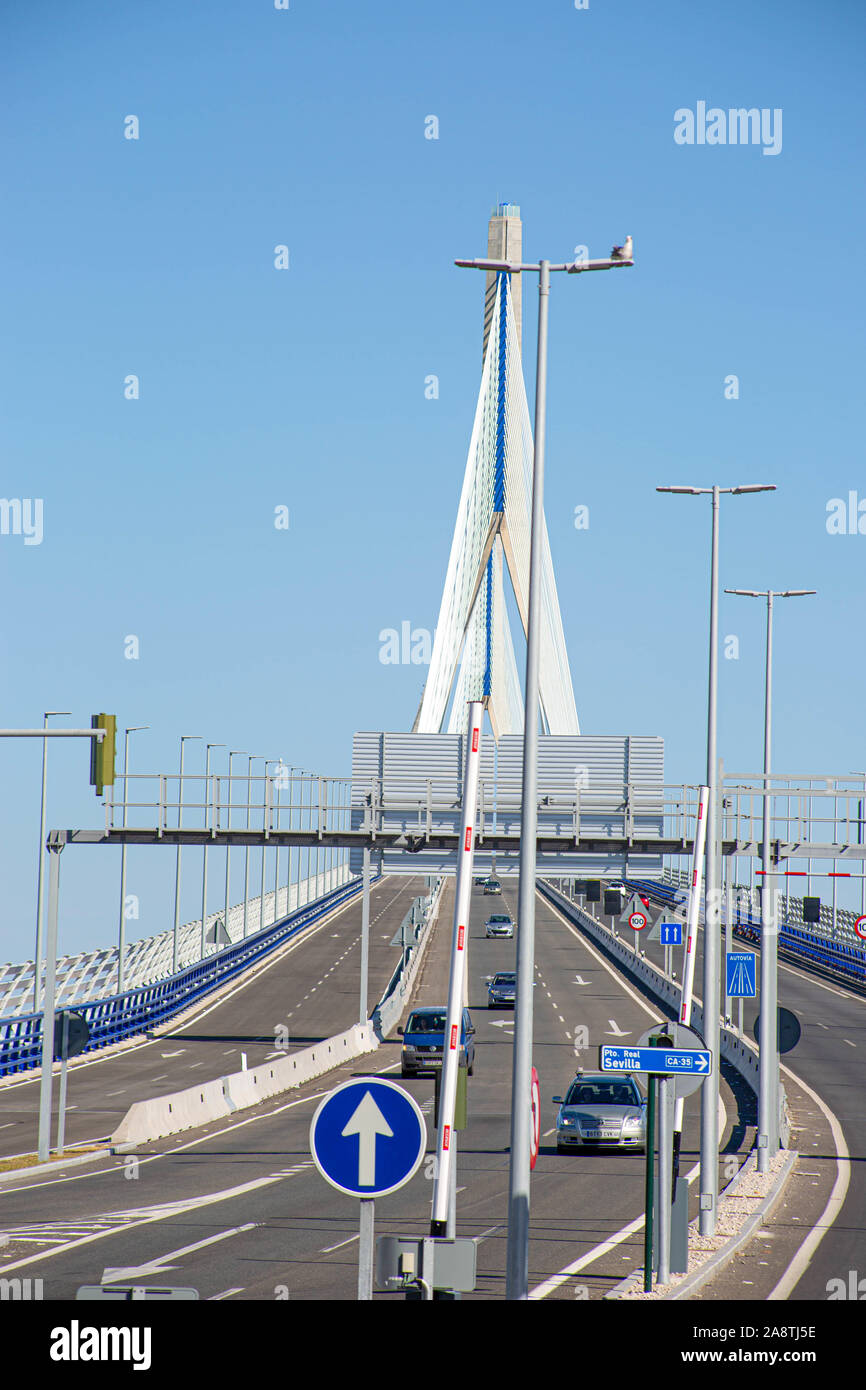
(234,1023)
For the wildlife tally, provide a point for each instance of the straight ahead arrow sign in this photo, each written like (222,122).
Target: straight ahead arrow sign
(367,1121)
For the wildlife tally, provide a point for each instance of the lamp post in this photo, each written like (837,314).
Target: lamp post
(768,1076)
(517,1277)
(252,757)
(121,933)
(711,999)
(204,847)
(40,882)
(235,753)
(185,738)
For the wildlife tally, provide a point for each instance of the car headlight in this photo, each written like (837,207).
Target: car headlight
(565,1122)
(632,1122)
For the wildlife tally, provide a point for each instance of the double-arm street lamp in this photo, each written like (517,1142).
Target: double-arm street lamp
(709,1194)
(768,1078)
(517,1278)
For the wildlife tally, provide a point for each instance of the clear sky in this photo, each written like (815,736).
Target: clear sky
(305,387)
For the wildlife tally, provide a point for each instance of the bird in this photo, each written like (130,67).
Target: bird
(622,253)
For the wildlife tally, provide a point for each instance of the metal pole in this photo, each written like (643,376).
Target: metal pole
(121,929)
(247,849)
(278,789)
(264,813)
(650,1175)
(729,946)
(365,936)
(517,1275)
(768,1062)
(177,859)
(365,1250)
(207,799)
(665,1174)
(61,1112)
(710,1089)
(457,976)
(48,1003)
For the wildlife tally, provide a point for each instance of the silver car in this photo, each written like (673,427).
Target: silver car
(499,924)
(601,1111)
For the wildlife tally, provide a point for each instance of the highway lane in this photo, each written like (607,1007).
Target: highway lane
(276,1228)
(309,990)
(829,1060)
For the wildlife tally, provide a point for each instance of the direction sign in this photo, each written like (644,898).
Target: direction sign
(667,1061)
(860,927)
(671,933)
(683,1038)
(368,1137)
(740,981)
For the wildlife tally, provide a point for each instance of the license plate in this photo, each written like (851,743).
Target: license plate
(600,1134)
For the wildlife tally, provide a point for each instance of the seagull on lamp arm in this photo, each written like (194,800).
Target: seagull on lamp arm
(624,252)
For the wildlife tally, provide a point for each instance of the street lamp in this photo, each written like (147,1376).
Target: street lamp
(204,847)
(768,1078)
(252,757)
(236,753)
(40,882)
(121,934)
(185,738)
(710,1089)
(517,1277)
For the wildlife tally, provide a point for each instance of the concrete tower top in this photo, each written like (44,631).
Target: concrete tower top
(504,243)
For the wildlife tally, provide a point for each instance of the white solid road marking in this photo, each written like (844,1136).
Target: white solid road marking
(165,1262)
(329,1248)
(797,1267)
(214,1298)
(849,1042)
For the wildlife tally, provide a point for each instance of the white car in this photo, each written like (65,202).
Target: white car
(499,924)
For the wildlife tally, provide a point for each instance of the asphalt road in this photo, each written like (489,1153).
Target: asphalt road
(306,991)
(825,1066)
(238,1211)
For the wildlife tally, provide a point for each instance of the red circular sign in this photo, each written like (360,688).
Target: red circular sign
(637,921)
(860,928)
(535,1131)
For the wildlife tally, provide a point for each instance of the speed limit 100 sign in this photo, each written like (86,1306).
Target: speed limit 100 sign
(637,921)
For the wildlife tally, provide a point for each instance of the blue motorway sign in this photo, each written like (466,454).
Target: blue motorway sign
(669,1061)
(740,980)
(671,933)
(368,1137)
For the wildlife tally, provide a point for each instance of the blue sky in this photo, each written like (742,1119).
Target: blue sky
(305,387)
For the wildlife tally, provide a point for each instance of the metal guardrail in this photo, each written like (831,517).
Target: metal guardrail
(121,1016)
(840,957)
(387,1012)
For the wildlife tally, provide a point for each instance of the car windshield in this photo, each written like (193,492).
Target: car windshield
(426,1023)
(493,883)
(602,1093)
(504,979)
(500,917)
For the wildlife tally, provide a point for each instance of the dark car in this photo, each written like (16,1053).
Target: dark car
(424,1039)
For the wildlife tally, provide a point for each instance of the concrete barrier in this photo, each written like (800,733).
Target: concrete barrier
(217,1100)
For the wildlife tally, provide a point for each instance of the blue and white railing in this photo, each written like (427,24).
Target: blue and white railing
(136,1011)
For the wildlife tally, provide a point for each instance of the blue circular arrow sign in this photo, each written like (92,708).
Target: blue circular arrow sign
(368,1137)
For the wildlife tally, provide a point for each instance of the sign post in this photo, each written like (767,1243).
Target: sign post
(456,984)
(367,1139)
(71,1036)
